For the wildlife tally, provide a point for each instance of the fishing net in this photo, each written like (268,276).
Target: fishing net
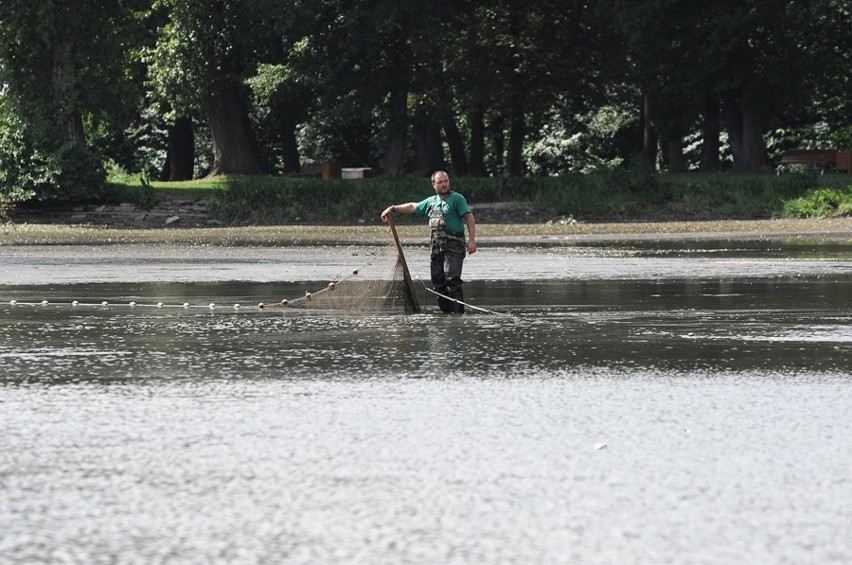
(383,285)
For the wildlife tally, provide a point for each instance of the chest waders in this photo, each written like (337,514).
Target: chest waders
(448,252)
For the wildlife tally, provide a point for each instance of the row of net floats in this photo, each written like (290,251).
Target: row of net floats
(186,305)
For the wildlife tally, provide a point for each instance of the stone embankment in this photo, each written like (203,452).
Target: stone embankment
(181,212)
(170,211)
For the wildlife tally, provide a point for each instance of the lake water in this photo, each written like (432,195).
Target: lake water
(629,404)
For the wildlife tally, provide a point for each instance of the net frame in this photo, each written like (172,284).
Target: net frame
(383,286)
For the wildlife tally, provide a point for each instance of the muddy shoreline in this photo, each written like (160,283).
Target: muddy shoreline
(836,230)
(37,254)
(169,262)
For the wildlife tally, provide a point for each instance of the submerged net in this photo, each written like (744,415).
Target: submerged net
(384,286)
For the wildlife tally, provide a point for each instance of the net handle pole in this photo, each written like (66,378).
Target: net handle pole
(405,274)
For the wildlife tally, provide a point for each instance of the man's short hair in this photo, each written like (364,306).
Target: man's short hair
(436,173)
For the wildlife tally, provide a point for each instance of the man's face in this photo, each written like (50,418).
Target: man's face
(441,184)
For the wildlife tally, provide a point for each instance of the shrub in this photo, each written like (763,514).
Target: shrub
(33,165)
(79,176)
(821,203)
(15,184)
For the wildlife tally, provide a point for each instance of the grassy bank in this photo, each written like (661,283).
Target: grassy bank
(834,231)
(609,196)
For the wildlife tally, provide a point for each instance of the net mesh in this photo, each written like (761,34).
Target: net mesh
(383,286)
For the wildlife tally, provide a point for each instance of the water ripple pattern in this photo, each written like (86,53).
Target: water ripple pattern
(654,420)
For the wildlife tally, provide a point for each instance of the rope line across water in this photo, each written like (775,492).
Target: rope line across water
(132,304)
(185,306)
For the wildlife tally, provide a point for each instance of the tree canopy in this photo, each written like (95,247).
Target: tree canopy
(183,88)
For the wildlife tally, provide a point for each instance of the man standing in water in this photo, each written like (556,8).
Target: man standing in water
(448,214)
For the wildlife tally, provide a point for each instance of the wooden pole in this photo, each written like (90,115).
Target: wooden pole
(409,284)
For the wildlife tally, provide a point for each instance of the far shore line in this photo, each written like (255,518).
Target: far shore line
(834,230)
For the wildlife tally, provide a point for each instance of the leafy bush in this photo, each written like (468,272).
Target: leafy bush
(34,166)
(821,203)
(15,184)
(79,176)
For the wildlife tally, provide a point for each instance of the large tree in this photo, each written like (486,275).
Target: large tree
(366,55)
(507,65)
(63,64)
(746,65)
(284,84)
(202,58)
(397,83)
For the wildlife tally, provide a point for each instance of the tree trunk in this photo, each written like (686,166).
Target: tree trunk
(674,154)
(456,145)
(744,123)
(517,133)
(710,143)
(649,134)
(70,118)
(180,154)
(498,138)
(675,160)
(517,123)
(733,125)
(428,146)
(284,118)
(290,147)
(235,148)
(754,146)
(514,153)
(476,120)
(398,50)
(397,129)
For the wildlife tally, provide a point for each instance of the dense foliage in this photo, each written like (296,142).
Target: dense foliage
(608,195)
(179,89)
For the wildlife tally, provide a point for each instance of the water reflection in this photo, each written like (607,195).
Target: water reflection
(772,325)
(601,422)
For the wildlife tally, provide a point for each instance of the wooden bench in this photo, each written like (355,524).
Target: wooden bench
(326,171)
(819,157)
(356,172)
(844,162)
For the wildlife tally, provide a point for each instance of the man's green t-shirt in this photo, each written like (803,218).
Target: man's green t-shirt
(448,212)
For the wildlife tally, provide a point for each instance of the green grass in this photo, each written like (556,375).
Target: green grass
(200,187)
(138,190)
(606,196)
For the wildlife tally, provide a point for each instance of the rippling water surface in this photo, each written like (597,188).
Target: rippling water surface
(688,421)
